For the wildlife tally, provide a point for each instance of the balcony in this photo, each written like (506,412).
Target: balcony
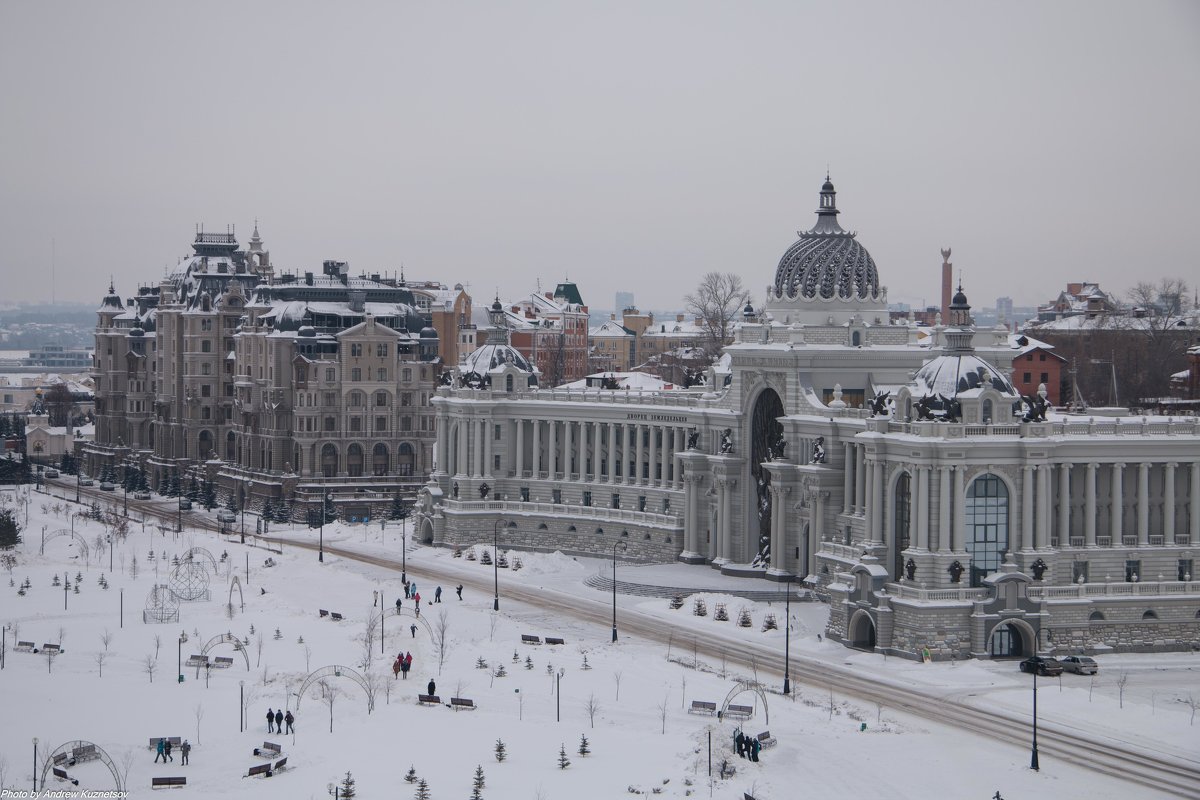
(572,511)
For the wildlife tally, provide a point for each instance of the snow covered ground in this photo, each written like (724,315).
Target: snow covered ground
(642,740)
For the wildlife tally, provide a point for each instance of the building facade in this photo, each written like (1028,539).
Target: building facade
(901,477)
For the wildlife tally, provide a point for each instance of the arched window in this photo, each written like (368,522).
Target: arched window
(205,445)
(230,446)
(856,339)
(901,508)
(379,459)
(329,460)
(405,459)
(1096,616)
(1150,614)
(988,415)
(987,525)
(508,383)
(354,461)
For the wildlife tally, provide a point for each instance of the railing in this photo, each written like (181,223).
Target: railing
(1182,538)
(1129,541)
(1116,589)
(909,592)
(566,510)
(1076,541)
(958,430)
(1104,541)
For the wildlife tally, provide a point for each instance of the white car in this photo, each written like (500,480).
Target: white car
(1080,665)
(225,515)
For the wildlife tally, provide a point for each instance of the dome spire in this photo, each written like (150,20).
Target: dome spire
(827,213)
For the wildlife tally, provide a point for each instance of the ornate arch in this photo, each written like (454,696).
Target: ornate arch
(227,638)
(202,554)
(741,687)
(70,747)
(337,671)
(765,430)
(861,630)
(68,532)
(1029,636)
(241,596)
(392,611)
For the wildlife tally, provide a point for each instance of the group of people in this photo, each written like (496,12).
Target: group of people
(403,663)
(276,720)
(164,747)
(747,746)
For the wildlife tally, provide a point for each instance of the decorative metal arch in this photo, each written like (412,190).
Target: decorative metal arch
(747,686)
(338,671)
(227,638)
(68,747)
(235,582)
(68,532)
(404,612)
(203,554)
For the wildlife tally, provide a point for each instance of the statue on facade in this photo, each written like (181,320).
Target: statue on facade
(952,409)
(693,438)
(454,490)
(1038,568)
(727,441)
(483,491)
(1035,408)
(879,405)
(924,408)
(777,448)
(818,450)
(956,570)
(910,569)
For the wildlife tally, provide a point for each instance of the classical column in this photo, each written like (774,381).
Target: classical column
(945,522)
(1089,509)
(537,447)
(876,509)
(1143,504)
(860,480)
(818,507)
(1042,536)
(612,452)
(1064,504)
(1194,506)
(960,510)
(489,437)
(691,523)
(519,446)
(847,477)
(597,449)
(1169,503)
(1117,517)
(776,527)
(914,511)
(464,434)
(652,480)
(639,452)
(555,454)
(569,459)
(1026,538)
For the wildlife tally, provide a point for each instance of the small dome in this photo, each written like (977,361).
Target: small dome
(137,331)
(428,333)
(953,375)
(486,358)
(306,331)
(496,305)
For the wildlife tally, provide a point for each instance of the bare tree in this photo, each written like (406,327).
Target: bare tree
(716,304)
(99,659)
(3,772)
(125,764)
(15,627)
(157,645)
(1190,702)
(199,712)
(328,696)
(831,704)
(106,639)
(494,621)
(371,683)
(441,639)
(307,658)
(591,706)
(249,695)
(670,641)
(62,634)
(662,712)
(258,646)
(724,659)
(683,694)
(1121,682)
(617,679)
(149,665)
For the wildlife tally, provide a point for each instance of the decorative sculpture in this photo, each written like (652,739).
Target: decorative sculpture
(818,450)
(924,408)
(956,570)
(454,490)
(777,448)
(951,408)
(483,490)
(1038,568)
(910,569)
(727,441)
(879,405)
(1035,408)
(693,438)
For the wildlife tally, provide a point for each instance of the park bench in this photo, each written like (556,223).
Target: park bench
(766,739)
(743,712)
(268,750)
(552,640)
(24,647)
(196,661)
(62,775)
(168,783)
(429,700)
(702,707)
(261,769)
(222,662)
(322,612)
(527,639)
(336,617)
(280,764)
(461,702)
(61,760)
(174,740)
(84,753)
(53,649)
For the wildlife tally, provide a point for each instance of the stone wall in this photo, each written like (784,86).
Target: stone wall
(943,629)
(644,543)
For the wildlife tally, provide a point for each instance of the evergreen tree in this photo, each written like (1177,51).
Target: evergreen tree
(210,495)
(268,510)
(479,784)
(422,790)
(399,508)
(10,529)
(231,504)
(563,761)
(411,775)
(331,512)
(193,492)
(584,749)
(348,787)
(501,751)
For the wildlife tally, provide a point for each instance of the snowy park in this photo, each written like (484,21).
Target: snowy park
(493,706)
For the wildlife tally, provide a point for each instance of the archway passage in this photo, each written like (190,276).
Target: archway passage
(765,431)
(336,671)
(71,753)
(862,631)
(741,687)
(1012,639)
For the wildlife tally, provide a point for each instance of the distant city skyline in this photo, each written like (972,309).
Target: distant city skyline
(625,146)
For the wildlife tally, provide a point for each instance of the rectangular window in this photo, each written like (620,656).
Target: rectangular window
(381,374)
(381,350)
(1133,570)
(206,390)
(381,423)
(641,502)
(406,398)
(406,423)
(495,458)
(524,494)
(355,350)
(587,498)
(1045,377)
(616,500)
(556,496)
(330,424)
(1079,570)
(1027,377)
(330,398)
(204,369)
(206,413)
(1041,356)
(356,424)
(666,505)
(496,434)
(1185,569)
(406,375)
(355,374)
(329,375)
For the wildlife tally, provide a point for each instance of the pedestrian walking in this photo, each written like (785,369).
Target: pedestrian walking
(407,589)
(740,741)
(397,605)
(375,598)
(406,665)
(279,721)
(755,746)
(413,628)
(159,751)
(289,719)
(437,595)
(396,669)
(167,751)
(459,590)
(270,721)
(413,585)
(417,600)
(432,687)
(185,750)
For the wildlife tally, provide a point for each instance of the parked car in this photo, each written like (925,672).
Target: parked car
(1080,665)
(225,515)
(141,495)
(105,486)
(86,482)
(51,473)
(185,504)
(1042,665)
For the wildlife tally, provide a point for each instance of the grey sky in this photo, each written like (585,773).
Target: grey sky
(629,146)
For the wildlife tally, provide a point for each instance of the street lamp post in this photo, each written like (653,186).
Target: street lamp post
(787,639)
(321,545)
(125,482)
(108,538)
(35,744)
(78,483)
(1033,758)
(179,655)
(243,504)
(242,706)
(623,547)
(496,563)
(558,696)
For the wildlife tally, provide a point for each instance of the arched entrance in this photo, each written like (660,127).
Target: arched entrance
(987,525)
(329,460)
(862,631)
(379,459)
(226,638)
(765,431)
(741,688)
(337,671)
(1012,639)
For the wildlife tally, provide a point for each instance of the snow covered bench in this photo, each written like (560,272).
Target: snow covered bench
(266,769)
(461,702)
(62,775)
(336,617)
(85,753)
(222,662)
(527,639)
(742,712)
(766,739)
(196,660)
(322,612)
(429,700)
(24,647)
(702,707)
(553,640)
(53,649)
(168,783)
(268,750)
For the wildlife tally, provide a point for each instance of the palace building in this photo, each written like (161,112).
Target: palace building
(901,476)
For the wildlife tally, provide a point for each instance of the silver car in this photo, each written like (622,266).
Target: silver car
(1080,665)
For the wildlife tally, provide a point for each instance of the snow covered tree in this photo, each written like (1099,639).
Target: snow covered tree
(501,751)
(422,790)
(348,787)
(10,529)
(399,509)
(478,784)
(583,745)
(411,775)
(563,761)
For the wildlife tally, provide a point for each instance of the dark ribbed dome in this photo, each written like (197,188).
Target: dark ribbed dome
(827,261)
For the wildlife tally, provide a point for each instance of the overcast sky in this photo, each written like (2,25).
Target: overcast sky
(627,146)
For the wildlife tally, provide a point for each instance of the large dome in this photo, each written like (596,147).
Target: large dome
(957,375)
(827,262)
